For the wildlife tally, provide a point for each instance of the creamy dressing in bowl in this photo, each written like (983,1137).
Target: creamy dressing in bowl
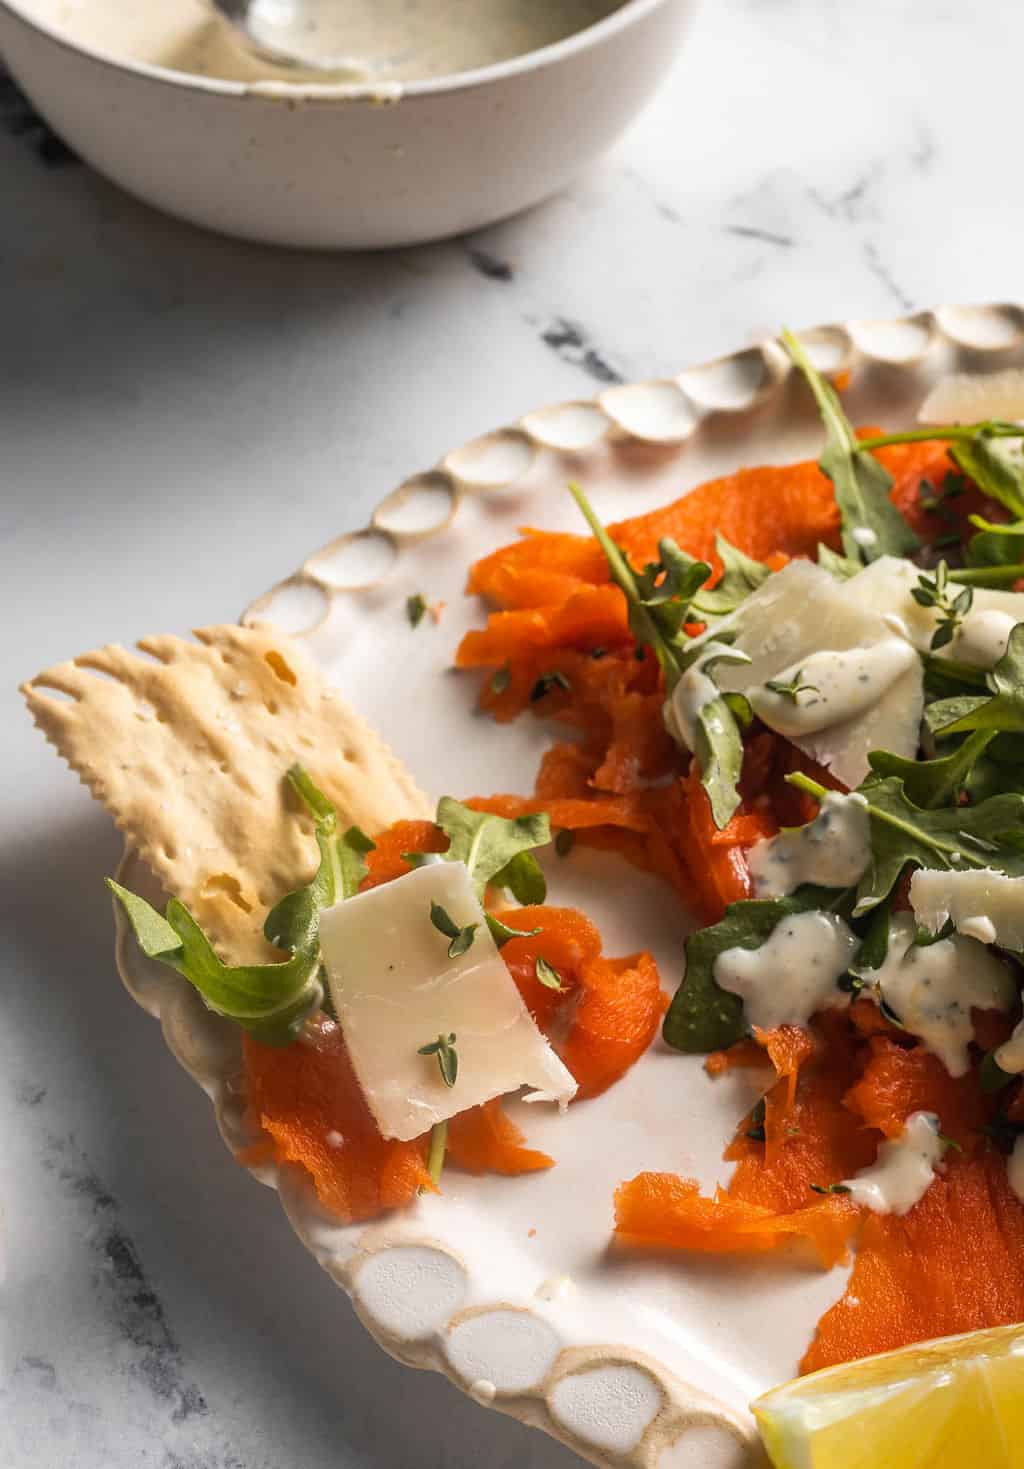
(379,40)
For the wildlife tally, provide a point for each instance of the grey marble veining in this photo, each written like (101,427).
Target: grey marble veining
(182,419)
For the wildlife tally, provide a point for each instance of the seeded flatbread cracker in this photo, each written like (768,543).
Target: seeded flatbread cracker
(188,748)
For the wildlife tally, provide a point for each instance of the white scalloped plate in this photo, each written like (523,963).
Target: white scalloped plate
(507,1285)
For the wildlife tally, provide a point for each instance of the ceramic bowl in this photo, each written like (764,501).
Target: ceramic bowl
(342,166)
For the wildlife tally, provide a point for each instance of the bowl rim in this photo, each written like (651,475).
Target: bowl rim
(626,15)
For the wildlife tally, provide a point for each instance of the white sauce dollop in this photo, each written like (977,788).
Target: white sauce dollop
(834,687)
(904,1169)
(982,637)
(1015,1169)
(793,974)
(833,850)
(887,586)
(932,989)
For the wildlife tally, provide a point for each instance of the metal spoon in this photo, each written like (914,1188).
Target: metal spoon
(294,33)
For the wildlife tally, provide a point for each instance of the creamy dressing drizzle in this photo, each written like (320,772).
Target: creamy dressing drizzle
(982,637)
(832,687)
(793,974)
(933,988)
(833,850)
(904,1170)
(695,691)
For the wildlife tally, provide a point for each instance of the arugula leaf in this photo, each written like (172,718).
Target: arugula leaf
(948,840)
(703,1016)
(945,677)
(1006,575)
(932,783)
(1000,770)
(494,849)
(996,465)
(659,600)
(1004,711)
(294,922)
(524,878)
(953,433)
(994,544)
(714,728)
(655,621)
(740,708)
(741,576)
(873,932)
(153,934)
(675,585)
(671,581)
(942,714)
(719,753)
(871,524)
(271,1001)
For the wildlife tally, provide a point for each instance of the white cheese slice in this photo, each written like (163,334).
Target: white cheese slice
(803,610)
(984,904)
(885,586)
(395,989)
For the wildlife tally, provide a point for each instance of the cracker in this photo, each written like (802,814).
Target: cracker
(188,748)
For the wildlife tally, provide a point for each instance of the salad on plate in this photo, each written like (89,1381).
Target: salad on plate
(795,695)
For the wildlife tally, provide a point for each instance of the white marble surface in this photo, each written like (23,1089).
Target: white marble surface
(181,420)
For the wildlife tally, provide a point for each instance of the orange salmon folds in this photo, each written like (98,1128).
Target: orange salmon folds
(308,1104)
(558,644)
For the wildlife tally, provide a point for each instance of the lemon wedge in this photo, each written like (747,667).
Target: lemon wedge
(957,1403)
